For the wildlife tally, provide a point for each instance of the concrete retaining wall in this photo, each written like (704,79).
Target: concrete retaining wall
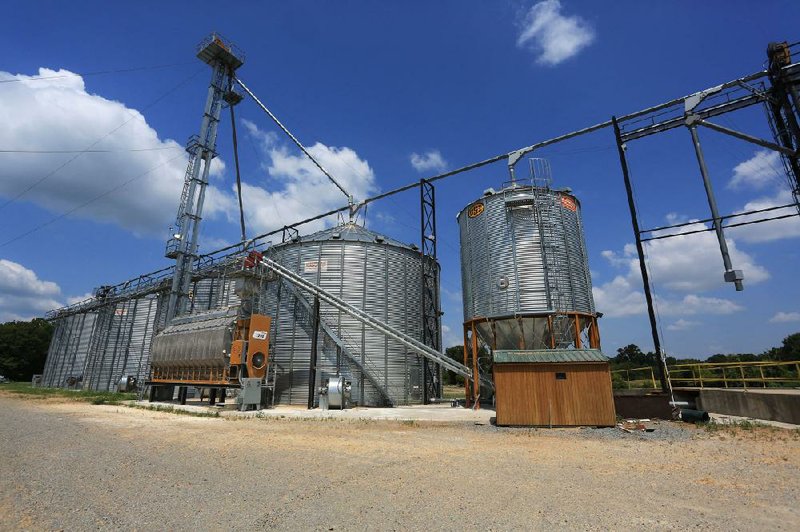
(783,405)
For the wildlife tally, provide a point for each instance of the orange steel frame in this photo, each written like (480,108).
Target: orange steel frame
(472,389)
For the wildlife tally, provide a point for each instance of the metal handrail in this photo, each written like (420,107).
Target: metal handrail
(702,373)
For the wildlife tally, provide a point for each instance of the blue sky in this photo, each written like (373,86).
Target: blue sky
(367,85)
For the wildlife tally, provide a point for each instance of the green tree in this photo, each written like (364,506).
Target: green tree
(23,348)
(631,355)
(790,350)
(456,353)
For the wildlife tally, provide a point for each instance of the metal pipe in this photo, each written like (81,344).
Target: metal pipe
(662,371)
(730,274)
(366,319)
(294,139)
(748,138)
(238,174)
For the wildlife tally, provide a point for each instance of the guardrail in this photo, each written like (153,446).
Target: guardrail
(761,374)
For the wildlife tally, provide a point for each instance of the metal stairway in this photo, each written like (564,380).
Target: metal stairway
(368,369)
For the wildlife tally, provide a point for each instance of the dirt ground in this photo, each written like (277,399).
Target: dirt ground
(71,465)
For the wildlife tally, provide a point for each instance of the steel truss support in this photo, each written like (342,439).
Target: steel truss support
(651,313)
(431,329)
(182,244)
(731,275)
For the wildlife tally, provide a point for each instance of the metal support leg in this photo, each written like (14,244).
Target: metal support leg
(731,275)
(662,374)
(212,396)
(467,394)
(312,370)
(476,381)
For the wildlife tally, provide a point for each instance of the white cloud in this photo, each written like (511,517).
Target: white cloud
(688,263)
(679,268)
(430,160)
(450,338)
(619,297)
(553,37)
(761,170)
(23,295)
(59,114)
(785,317)
(694,304)
(297,189)
(772,230)
(79,299)
(682,325)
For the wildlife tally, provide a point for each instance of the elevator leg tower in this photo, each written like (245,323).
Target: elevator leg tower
(224,59)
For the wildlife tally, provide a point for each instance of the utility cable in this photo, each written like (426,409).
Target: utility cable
(122,150)
(86,203)
(294,139)
(95,143)
(96,73)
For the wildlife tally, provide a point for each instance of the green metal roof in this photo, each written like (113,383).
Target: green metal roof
(548,356)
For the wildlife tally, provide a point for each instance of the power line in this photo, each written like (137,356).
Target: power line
(121,150)
(88,202)
(93,144)
(96,73)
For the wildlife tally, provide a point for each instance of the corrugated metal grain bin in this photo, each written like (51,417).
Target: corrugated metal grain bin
(381,276)
(524,268)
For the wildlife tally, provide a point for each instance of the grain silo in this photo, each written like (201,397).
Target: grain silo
(528,298)
(375,273)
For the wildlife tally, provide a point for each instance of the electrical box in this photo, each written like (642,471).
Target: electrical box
(250,394)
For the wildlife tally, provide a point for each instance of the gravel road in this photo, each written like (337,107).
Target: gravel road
(76,466)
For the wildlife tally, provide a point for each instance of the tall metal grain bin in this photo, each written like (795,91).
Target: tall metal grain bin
(524,269)
(378,274)
(528,297)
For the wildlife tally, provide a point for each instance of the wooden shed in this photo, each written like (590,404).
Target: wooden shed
(553,388)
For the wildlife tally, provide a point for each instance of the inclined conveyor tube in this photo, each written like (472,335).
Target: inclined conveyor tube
(415,345)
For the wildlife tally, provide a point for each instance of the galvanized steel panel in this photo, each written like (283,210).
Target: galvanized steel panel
(514,262)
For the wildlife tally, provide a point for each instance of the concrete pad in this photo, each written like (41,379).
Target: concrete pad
(441,413)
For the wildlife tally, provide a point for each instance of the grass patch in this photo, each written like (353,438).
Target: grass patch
(87,396)
(450,391)
(169,409)
(749,429)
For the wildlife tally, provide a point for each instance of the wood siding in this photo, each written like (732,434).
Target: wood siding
(530,394)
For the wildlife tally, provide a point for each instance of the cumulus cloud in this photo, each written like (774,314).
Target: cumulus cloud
(682,325)
(296,189)
(761,170)
(681,267)
(688,263)
(23,295)
(430,160)
(785,317)
(60,114)
(450,338)
(552,36)
(773,229)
